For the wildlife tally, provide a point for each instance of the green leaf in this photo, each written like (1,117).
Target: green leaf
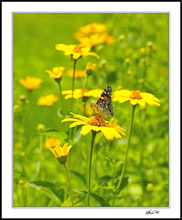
(109,159)
(104,180)
(54,133)
(77,136)
(99,200)
(55,189)
(79,177)
(124,183)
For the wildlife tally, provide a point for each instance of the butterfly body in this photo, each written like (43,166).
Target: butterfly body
(104,104)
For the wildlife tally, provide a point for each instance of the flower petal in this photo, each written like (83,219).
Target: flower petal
(86,129)
(141,102)
(70,119)
(77,123)
(120,99)
(80,117)
(134,101)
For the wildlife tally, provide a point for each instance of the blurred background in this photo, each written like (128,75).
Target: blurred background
(136,59)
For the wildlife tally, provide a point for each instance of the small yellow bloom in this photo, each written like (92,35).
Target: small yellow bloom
(41,127)
(52,142)
(60,151)
(98,124)
(56,73)
(96,93)
(47,100)
(93,28)
(94,39)
(135,97)
(30,83)
(78,73)
(75,51)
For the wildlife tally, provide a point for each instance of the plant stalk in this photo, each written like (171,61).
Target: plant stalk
(90,166)
(69,179)
(73,83)
(127,148)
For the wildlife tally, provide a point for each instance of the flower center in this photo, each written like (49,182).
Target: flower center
(135,95)
(97,120)
(77,49)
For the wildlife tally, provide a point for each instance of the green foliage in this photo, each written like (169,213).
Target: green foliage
(137,60)
(54,133)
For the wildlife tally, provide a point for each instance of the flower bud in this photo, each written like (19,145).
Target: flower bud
(103,63)
(22,183)
(121,37)
(127,61)
(150,44)
(90,67)
(41,127)
(22,99)
(62,160)
(150,187)
(16,108)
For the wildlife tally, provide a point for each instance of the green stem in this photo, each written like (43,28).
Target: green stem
(84,86)
(90,164)
(69,179)
(126,154)
(73,83)
(61,96)
(114,168)
(39,154)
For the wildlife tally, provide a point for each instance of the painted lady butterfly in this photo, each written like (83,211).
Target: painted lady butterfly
(104,104)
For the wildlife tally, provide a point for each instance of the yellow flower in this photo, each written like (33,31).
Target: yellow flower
(90,41)
(94,39)
(52,142)
(98,124)
(78,73)
(93,28)
(96,93)
(30,83)
(47,100)
(56,73)
(135,97)
(75,51)
(59,151)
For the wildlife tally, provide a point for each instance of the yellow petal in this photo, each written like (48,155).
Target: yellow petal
(77,123)
(134,101)
(76,55)
(68,148)
(80,116)
(141,102)
(65,153)
(86,129)
(61,47)
(107,133)
(53,150)
(70,119)
(59,151)
(120,99)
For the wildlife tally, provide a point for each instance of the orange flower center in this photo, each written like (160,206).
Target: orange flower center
(77,49)
(135,95)
(97,120)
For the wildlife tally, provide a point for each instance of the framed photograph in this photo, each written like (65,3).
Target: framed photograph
(91,110)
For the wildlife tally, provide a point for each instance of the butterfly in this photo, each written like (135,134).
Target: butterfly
(104,104)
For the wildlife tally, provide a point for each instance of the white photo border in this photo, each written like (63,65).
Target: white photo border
(173,8)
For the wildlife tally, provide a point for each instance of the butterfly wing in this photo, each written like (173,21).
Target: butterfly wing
(104,104)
